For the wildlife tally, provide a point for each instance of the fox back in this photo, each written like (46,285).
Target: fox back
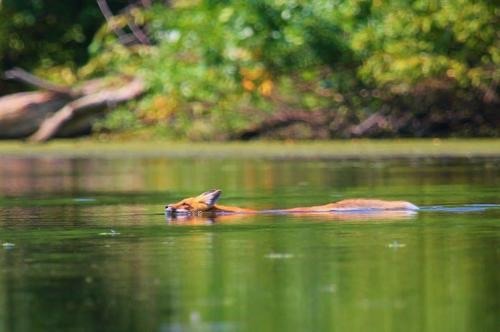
(358,204)
(206,203)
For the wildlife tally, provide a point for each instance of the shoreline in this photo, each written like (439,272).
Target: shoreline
(334,149)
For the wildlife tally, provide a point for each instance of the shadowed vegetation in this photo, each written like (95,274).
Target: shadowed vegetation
(282,69)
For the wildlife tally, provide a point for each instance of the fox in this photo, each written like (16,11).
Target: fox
(205,203)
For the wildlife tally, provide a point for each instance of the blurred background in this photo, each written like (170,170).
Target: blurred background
(82,224)
(222,70)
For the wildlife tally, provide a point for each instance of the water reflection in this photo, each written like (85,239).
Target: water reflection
(269,179)
(92,249)
(212,218)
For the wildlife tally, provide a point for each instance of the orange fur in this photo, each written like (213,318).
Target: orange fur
(358,204)
(205,203)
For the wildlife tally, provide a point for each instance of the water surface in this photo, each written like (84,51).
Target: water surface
(85,246)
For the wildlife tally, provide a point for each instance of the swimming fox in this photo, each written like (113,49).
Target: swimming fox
(205,203)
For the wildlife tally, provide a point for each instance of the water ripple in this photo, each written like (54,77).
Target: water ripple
(460,208)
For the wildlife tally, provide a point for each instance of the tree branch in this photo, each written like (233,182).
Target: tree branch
(123,37)
(140,35)
(283,119)
(375,121)
(22,75)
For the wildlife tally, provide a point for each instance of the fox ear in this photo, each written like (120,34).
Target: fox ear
(210,197)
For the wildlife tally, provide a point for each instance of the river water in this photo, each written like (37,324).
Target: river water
(85,246)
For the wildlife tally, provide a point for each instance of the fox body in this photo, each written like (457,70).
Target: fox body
(205,203)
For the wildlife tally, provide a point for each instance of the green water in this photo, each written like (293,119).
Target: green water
(86,246)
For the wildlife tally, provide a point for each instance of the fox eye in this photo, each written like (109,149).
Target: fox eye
(186,206)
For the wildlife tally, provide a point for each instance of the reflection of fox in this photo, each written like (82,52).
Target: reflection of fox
(206,203)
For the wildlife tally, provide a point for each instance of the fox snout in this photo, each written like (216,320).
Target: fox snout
(169,209)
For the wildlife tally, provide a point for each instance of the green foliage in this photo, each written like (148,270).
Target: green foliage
(121,119)
(43,34)
(216,67)
(51,39)
(402,44)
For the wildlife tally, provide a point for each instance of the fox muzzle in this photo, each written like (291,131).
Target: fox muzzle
(170,210)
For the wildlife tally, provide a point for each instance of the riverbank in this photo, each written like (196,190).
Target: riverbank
(337,149)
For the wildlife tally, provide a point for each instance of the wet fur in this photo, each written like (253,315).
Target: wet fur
(205,203)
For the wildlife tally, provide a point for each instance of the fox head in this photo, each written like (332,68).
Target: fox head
(192,205)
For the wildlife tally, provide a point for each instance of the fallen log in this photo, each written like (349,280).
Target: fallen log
(61,111)
(282,119)
(21,113)
(93,102)
(373,124)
